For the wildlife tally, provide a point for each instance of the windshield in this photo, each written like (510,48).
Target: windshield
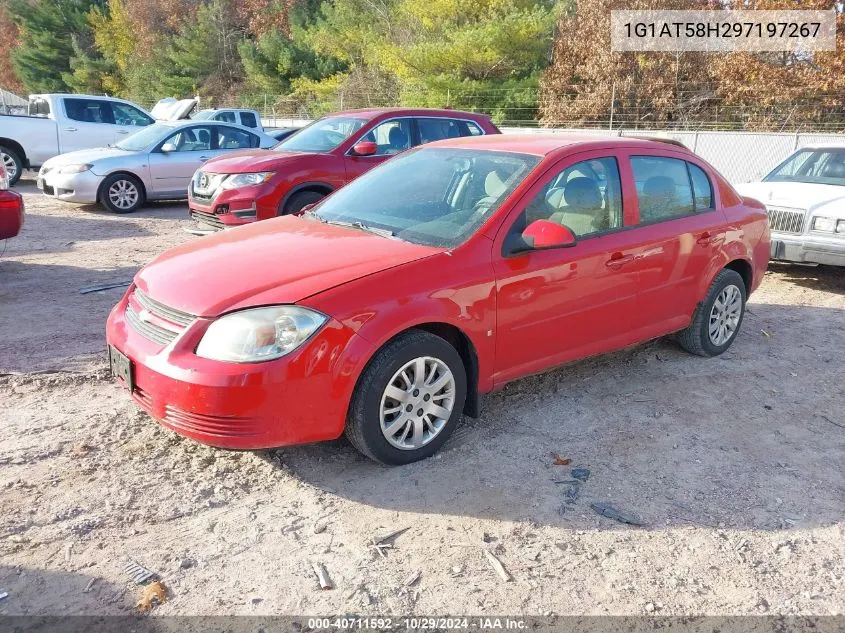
(431,196)
(145,138)
(822,166)
(323,135)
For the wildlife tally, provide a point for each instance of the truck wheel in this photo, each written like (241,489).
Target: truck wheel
(122,193)
(408,400)
(299,200)
(716,321)
(13,164)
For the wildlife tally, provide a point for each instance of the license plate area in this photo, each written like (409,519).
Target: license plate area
(121,367)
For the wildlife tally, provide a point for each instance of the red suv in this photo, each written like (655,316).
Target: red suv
(260,184)
(444,273)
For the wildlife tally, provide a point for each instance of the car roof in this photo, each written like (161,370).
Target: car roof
(544,144)
(371,113)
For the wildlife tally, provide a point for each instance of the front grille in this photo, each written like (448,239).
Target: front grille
(786,220)
(149,330)
(204,185)
(207,220)
(161,310)
(219,426)
(154,331)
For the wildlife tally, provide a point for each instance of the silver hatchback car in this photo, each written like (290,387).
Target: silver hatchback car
(156,163)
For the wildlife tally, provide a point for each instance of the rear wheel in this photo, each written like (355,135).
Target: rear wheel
(12,162)
(122,193)
(299,200)
(716,321)
(408,400)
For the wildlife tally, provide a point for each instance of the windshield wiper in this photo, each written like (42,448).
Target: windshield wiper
(355,225)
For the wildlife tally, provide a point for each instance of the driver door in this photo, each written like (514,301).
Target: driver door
(560,304)
(171,171)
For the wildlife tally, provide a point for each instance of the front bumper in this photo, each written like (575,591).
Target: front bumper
(302,397)
(808,249)
(81,187)
(231,208)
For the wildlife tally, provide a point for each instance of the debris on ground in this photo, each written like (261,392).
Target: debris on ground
(4,595)
(609,511)
(138,573)
(322,576)
(413,578)
(320,527)
(496,564)
(385,541)
(106,286)
(557,460)
(89,586)
(570,495)
(154,591)
(581,474)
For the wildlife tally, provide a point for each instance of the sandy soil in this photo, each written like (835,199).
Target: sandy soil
(735,464)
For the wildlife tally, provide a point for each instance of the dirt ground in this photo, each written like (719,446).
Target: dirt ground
(735,464)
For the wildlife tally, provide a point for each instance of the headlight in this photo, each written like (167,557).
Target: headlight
(259,334)
(840,226)
(824,224)
(74,169)
(246,180)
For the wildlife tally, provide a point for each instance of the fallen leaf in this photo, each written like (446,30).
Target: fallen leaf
(154,591)
(560,461)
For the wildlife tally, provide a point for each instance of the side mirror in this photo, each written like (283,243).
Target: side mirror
(364,148)
(167,148)
(538,235)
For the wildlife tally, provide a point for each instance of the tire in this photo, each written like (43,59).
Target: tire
(12,162)
(728,287)
(421,429)
(110,193)
(299,200)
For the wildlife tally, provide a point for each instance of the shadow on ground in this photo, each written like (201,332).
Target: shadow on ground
(751,439)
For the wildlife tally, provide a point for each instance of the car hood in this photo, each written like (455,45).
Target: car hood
(283,260)
(86,156)
(251,160)
(797,195)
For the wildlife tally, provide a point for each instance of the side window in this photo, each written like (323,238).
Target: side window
(127,115)
(434,129)
(88,110)
(391,137)
(471,128)
(701,187)
(225,117)
(192,139)
(233,138)
(663,188)
(585,197)
(248,119)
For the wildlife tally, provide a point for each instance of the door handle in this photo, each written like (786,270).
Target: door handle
(70,129)
(617,260)
(123,131)
(203,159)
(705,239)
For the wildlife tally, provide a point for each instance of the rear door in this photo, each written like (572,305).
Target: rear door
(679,231)
(88,123)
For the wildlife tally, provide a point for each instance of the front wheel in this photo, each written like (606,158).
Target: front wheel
(716,321)
(300,200)
(122,193)
(408,400)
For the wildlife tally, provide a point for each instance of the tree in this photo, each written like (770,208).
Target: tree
(8,41)
(47,31)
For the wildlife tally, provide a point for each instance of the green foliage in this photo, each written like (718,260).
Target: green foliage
(52,32)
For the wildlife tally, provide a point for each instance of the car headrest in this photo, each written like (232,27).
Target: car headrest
(582,193)
(493,185)
(834,170)
(397,138)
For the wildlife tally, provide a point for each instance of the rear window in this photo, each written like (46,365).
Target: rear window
(39,107)
(248,119)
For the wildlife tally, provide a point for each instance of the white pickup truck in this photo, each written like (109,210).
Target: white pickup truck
(60,123)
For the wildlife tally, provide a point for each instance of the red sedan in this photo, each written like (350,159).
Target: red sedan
(259,184)
(11,208)
(445,273)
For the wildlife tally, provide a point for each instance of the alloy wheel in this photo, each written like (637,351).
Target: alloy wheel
(417,403)
(10,165)
(725,315)
(123,194)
